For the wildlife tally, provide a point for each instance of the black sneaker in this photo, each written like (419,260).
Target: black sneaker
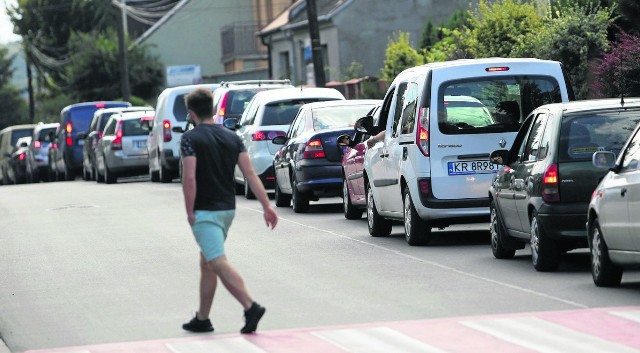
(251,318)
(196,325)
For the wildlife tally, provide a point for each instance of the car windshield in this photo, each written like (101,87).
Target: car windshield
(16,134)
(134,127)
(497,104)
(337,117)
(583,134)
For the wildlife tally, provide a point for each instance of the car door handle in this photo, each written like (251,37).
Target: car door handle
(623,191)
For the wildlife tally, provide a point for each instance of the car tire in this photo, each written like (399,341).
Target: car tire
(603,271)
(109,176)
(378,226)
(545,255)
(68,173)
(416,230)
(282,200)
(99,177)
(350,211)
(85,173)
(498,235)
(155,176)
(165,174)
(299,200)
(248,193)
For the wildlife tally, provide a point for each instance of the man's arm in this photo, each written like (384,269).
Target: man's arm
(189,185)
(270,215)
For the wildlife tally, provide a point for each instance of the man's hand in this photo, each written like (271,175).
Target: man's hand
(191,218)
(371,142)
(270,217)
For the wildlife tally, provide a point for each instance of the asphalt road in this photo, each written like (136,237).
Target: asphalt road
(84,263)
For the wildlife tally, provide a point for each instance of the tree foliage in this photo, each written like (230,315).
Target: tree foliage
(618,72)
(399,56)
(13,106)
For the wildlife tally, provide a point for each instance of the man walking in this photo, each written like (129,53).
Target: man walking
(209,155)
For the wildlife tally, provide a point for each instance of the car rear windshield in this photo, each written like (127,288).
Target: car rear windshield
(337,117)
(179,108)
(134,127)
(104,118)
(490,105)
(583,134)
(81,118)
(44,134)
(282,113)
(237,100)
(18,133)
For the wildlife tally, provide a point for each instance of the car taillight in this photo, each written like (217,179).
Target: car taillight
(37,144)
(117,142)
(313,150)
(166,130)
(423,186)
(550,191)
(422,134)
(266,135)
(223,105)
(21,156)
(69,128)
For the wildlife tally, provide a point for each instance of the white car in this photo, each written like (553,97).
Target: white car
(612,223)
(269,114)
(440,123)
(168,127)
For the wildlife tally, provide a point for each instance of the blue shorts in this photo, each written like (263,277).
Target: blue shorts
(210,230)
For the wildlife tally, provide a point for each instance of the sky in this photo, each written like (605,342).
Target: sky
(6,28)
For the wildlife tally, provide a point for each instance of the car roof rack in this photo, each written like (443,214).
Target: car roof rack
(254,82)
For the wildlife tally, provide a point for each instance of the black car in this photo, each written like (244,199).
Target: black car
(309,164)
(542,193)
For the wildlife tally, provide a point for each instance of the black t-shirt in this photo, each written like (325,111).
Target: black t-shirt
(216,149)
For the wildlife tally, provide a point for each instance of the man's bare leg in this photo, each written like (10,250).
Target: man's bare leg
(231,280)
(208,285)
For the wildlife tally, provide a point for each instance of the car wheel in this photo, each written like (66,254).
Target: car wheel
(603,271)
(85,173)
(416,230)
(282,200)
(99,177)
(544,250)
(299,199)
(248,193)
(165,174)
(378,226)
(109,176)
(350,211)
(496,228)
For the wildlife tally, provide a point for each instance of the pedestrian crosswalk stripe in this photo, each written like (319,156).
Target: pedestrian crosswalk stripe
(375,340)
(633,315)
(545,337)
(224,345)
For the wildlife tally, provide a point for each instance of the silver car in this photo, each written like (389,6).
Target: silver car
(38,152)
(613,226)
(122,149)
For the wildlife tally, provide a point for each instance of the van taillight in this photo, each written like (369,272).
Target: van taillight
(223,105)
(422,134)
(423,186)
(69,128)
(166,130)
(117,142)
(37,144)
(549,189)
(313,150)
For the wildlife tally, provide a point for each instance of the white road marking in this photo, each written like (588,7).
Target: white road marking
(633,315)
(375,340)
(230,345)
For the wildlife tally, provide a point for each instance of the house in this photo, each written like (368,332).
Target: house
(352,32)
(214,40)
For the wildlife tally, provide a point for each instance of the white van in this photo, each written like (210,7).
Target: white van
(441,121)
(169,123)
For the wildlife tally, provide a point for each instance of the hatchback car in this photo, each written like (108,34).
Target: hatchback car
(614,211)
(122,150)
(541,195)
(231,98)
(309,164)
(268,115)
(354,197)
(8,138)
(38,152)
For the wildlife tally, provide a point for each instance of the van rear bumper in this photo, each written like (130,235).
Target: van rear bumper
(170,161)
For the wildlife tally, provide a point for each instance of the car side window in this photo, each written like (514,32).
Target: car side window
(249,117)
(293,131)
(386,107)
(545,142)
(110,129)
(398,107)
(409,109)
(535,136)
(631,159)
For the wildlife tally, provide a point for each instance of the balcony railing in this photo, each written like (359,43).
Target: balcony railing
(239,40)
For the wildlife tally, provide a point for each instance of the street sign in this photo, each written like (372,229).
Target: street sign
(183,75)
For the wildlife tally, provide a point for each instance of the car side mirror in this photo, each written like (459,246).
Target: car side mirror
(603,159)
(231,123)
(279,140)
(365,125)
(500,157)
(178,129)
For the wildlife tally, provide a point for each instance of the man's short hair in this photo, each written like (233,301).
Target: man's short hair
(200,102)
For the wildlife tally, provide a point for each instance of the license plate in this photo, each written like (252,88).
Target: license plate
(472,167)
(80,142)
(140,144)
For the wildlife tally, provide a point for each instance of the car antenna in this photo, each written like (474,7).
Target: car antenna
(259,82)
(621,82)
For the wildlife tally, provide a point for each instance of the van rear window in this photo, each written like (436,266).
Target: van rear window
(179,108)
(18,133)
(81,118)
(491,105)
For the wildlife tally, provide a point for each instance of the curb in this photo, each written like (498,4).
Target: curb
(3,347)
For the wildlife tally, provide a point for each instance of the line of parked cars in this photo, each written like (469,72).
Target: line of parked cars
(466,141)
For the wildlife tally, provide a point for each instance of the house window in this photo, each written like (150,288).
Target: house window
(283,65)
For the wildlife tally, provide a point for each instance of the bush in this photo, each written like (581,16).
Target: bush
(399,56)
(618,72)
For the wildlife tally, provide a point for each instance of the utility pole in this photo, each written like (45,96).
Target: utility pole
(27,60)
(316,47)
(124,65)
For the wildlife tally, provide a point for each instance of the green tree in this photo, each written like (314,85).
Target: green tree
(455,44)
(618,72)
(94,71)
(399,55)
(502,26)
(14,108)
(575,37)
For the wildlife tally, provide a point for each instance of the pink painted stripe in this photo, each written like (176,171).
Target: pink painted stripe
(292,342)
